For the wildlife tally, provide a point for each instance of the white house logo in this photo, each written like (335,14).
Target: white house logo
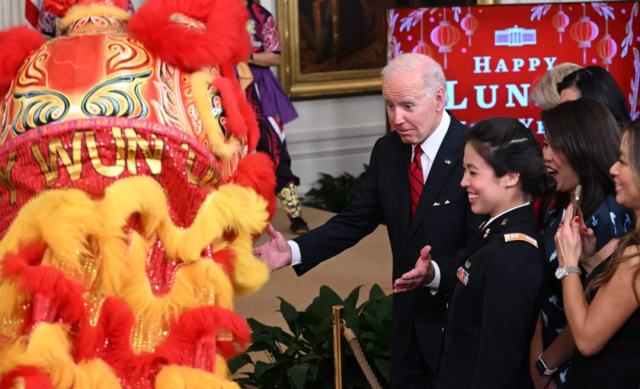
(516,36)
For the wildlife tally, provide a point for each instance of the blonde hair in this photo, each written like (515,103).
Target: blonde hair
(545,94)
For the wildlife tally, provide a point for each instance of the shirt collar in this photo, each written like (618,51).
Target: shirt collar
(431,145)
(494,218)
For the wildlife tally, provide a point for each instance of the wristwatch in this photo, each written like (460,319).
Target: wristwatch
(564,271)
(542,367)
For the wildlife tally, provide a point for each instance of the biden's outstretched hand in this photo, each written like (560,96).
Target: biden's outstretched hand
(422,274)
(276,252)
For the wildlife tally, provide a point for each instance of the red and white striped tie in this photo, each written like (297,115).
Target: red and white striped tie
(416,180)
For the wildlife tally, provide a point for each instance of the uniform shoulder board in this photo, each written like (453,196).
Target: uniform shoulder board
(520,237)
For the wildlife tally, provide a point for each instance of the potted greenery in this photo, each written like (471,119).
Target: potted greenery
(333,194)
(304,357)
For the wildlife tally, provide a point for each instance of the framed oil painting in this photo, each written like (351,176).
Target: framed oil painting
(336,47)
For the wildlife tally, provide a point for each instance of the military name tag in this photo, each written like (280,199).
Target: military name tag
(463,276)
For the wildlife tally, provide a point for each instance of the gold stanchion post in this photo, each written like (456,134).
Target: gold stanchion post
(338,318)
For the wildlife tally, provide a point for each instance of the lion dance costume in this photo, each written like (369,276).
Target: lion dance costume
(130,197)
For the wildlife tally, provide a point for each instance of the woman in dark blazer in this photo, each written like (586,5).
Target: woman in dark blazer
(496,298)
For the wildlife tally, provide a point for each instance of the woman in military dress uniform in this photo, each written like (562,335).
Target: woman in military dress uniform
(495,301)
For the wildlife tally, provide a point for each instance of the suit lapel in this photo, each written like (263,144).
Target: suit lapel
(440,169)
(477,241)
(402,181)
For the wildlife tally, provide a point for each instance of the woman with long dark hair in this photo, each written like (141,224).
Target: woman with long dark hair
(495,301)
(545,95)
(581,143)
(604,319)
(596,83)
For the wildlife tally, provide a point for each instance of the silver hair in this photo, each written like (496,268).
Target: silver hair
(410,63)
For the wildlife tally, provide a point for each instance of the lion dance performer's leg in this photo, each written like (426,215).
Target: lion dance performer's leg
(286,182)
(130,197)
(273,110)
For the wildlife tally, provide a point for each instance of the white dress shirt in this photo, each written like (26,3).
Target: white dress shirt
(430,148)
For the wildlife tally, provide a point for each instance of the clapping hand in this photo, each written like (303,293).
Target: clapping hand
(276,252)
(422,274)
(569,240)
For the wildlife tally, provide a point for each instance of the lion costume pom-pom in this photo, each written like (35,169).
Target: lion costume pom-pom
(58,8)
(15,46)
(219,38)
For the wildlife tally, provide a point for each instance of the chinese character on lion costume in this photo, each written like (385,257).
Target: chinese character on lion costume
(130,197)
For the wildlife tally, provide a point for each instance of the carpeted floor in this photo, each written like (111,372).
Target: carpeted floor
(367,263)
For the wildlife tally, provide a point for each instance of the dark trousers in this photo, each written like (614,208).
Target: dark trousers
(271,144)
(280,156)
(410,371)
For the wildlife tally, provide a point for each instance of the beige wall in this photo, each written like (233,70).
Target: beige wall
(11,13)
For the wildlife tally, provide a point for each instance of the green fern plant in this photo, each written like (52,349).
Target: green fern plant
(303,358)
(333,194)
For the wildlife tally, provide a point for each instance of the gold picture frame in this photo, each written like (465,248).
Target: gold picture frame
(312,85)
(300,86)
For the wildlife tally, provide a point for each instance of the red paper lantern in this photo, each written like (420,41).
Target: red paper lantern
(445,36)
(607,49)
(469,24)
(423,48)
(584,31)
(560,21)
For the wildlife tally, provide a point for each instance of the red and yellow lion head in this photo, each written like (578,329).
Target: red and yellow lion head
(130,196)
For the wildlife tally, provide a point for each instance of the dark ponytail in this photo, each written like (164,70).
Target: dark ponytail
(509,147)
